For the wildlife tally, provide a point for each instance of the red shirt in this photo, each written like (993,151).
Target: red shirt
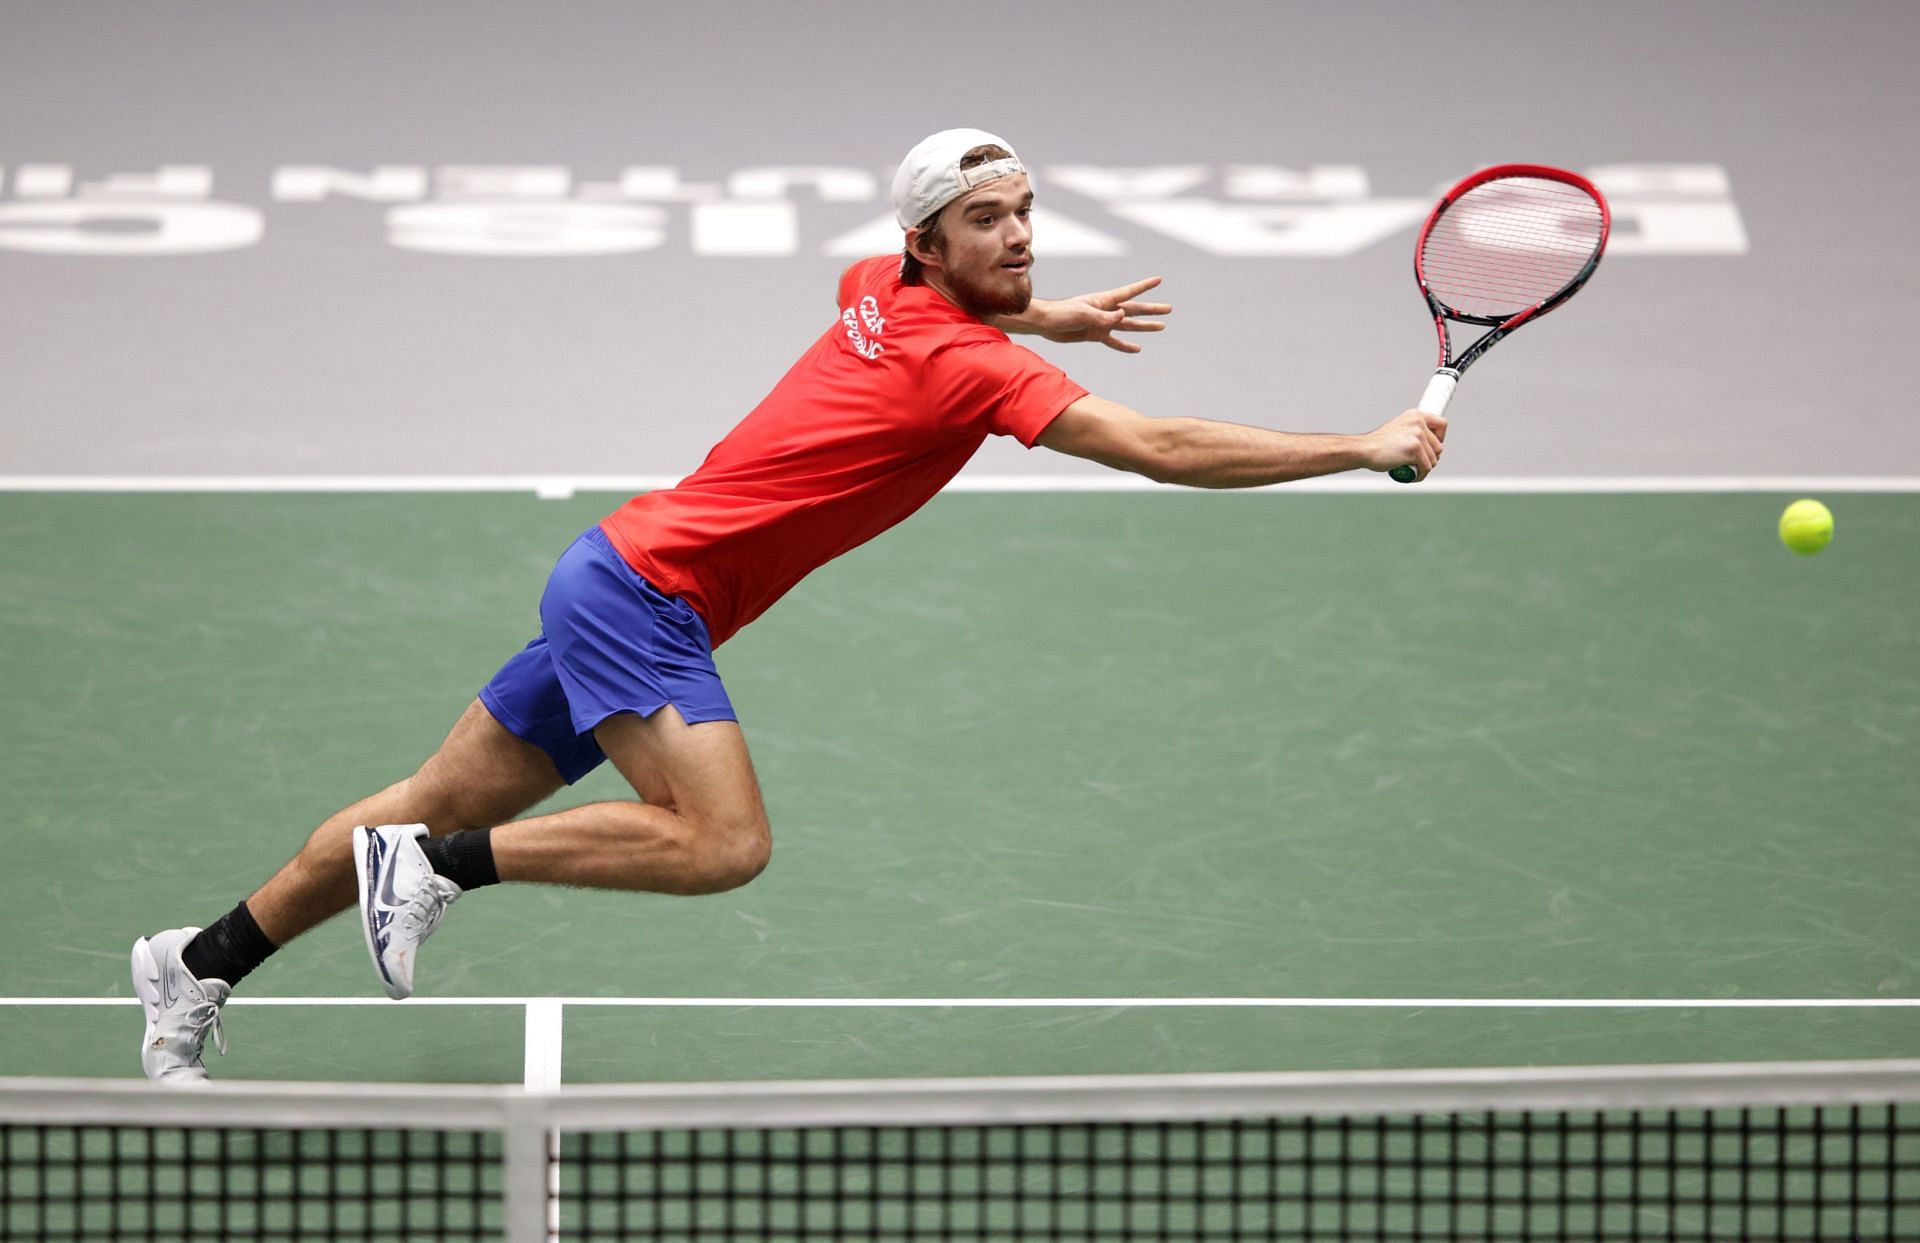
(885,408)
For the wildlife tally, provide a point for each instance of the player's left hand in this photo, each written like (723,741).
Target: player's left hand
(1098,316)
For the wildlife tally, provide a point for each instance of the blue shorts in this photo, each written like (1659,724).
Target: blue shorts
(609,643)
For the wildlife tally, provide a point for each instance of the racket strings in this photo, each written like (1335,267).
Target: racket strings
(1509,244)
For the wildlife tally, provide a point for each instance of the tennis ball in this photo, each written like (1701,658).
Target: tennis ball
(1806,527)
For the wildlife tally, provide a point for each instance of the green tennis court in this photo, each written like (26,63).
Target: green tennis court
(1399,776)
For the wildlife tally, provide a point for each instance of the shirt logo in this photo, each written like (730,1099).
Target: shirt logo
(868,315)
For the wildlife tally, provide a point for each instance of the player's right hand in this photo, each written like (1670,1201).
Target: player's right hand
(1413,438)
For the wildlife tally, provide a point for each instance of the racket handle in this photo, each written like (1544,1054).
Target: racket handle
(1433,401)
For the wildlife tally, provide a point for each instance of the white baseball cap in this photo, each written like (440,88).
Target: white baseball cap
(931,177)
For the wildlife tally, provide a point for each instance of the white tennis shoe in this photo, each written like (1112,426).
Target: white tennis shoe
(401,899)
(181,1010)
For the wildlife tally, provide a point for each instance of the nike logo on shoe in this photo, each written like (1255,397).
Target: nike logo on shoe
(387,896)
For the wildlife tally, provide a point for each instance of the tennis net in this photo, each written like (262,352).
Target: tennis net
(1745,1151)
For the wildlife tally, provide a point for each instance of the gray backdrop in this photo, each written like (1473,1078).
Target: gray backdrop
(1751,318)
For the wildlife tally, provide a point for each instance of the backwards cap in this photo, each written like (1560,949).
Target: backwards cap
(931,177)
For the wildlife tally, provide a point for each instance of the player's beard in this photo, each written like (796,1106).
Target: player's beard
(994,292)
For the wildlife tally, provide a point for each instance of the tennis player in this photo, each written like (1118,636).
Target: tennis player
(912,377)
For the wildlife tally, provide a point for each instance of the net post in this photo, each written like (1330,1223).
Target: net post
(523,1170)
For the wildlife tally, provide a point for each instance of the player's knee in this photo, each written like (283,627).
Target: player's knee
(450,806)
(733,851)
(323,852)
(754,852)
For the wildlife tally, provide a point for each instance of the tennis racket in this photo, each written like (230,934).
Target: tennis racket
(1504,246)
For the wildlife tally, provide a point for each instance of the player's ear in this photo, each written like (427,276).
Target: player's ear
(920,246)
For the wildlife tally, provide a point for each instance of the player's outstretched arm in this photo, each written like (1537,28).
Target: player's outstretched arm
(1206,453)
(1092,316)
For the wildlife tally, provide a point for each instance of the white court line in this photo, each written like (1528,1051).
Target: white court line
(1056,1003)
(561,487)
(544,1019)
(542,1044)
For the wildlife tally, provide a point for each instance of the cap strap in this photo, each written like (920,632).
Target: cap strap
(980,174)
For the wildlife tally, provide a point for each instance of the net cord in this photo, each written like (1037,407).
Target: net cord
(958,1102)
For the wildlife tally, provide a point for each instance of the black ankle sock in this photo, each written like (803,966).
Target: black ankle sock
(465,858)
(229,948)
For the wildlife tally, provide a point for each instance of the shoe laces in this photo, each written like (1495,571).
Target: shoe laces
(427,905)
(204,1020)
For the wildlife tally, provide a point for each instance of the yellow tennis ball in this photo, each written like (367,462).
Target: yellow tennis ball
(1806,527)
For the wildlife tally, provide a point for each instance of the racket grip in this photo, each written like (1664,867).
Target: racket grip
(1433,401)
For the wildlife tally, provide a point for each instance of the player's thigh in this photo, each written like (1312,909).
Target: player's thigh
(701,771)
(482,775)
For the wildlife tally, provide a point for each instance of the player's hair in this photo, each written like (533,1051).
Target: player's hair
(912,271)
